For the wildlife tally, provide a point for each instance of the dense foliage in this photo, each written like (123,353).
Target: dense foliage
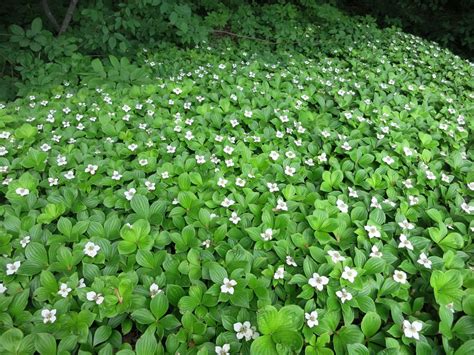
(449,22)
(310,196)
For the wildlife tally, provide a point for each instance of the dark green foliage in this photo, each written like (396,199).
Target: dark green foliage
(448,22)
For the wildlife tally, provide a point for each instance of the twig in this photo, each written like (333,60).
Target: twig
(242,36)
(49,15)
(67,18)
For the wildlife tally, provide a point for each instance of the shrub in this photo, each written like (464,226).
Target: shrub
(311,196)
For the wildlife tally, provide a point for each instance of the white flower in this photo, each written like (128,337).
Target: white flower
(335,256)
(228,149)
(353,192)
(322,158)
(25,241)
(349,274)
(150,185)
(240,182)
(3,151)
(388,159)
(222,350)
(413,200)
(430,175)
(374,203)
(346,146)
(228,286)
(423,260)
(91,249)
(91,169)
(406,225)
(373,231)
(189,135)
(408,183)
(53,181)
(69,175)
(206,243)
(318,282)
(280,273)
(200,159)
(376,253)
(49,316)
(116,175)
(165,175)
(227,202)
(64,290)
(81,283)
(21,191)
(154,290)
(408,152)
(400,276)
(267,235)
(243,330)
(273,187)
(404,242)
(289,171)
(234,218)
(130,193)
(467,208)
(471,186)
(96,297)
(3,289)
(344,295)
(290,261)
(248,114)
(132,147)
(222,182)
(343,207)
(311,319)
(281,205)
(274,155)
(13,268)
(411,329)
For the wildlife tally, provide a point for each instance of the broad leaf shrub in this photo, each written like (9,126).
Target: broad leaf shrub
(230,199)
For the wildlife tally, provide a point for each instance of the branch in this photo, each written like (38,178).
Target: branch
(49,14)
(67,18)
(242,36)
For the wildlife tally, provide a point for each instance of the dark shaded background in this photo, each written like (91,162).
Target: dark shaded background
(448,22)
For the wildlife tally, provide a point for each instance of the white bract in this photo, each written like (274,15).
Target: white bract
(49,316)
(311,319)
(411,330)
(318,282)
(91,249)
(12,268)
(228,286)
(95,297)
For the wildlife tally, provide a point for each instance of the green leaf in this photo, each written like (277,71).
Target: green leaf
(45,344)
(102,334)
(98,67)
(371,324)
(374,266)
(143,316)
(289,338)
(357,349)
(447,286)
(269,320)
(140,206)
(36,25)
(263,345)
(350,334)
(216,272)
(147,344)
(10,340)
(159,305)
(466,348)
